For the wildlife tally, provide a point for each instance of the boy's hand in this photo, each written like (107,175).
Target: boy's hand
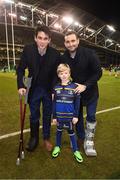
(54,121)
(74,120)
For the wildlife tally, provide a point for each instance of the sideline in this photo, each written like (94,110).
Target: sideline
(28,130)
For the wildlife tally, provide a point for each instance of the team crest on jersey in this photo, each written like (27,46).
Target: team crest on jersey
(70,92)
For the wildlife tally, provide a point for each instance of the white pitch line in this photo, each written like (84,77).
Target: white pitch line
(28,130)
(106,110)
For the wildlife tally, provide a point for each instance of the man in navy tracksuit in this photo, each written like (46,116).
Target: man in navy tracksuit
(65,110)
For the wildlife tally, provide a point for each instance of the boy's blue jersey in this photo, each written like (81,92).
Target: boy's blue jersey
(66,103)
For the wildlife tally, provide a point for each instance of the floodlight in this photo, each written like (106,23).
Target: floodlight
(53,15)
(111,28)
(78,24)
(12,15)
(117,44)
(23,18)
(25,5)
(57,26)
(8,1)
(68,19)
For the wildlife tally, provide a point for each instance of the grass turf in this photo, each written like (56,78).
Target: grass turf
(40,165)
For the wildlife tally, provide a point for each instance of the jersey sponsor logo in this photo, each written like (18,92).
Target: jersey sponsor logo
(64,101)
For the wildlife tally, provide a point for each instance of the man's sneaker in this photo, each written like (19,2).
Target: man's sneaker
(56,151)
(78,156)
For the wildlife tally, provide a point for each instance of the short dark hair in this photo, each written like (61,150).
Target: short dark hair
(72,32)
(44,29)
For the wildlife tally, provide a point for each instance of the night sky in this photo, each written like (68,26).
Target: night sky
(106,10)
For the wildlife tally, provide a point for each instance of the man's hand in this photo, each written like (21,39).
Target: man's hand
(22,91)
(54,121)
(80,88)
(74,120)
(52,97)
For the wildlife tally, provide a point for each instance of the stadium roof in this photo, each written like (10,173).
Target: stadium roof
(61,17)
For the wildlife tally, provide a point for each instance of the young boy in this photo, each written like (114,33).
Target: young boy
(65,110)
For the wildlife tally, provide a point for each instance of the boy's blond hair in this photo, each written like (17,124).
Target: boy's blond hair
(63,67)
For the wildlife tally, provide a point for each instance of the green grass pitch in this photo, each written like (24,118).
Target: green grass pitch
(39,164)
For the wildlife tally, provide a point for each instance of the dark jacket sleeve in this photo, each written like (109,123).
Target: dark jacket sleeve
(76,105)
(21,69)
(95,68)
(55,77)
(54,105)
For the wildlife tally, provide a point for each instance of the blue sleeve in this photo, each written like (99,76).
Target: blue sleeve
(76,105)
